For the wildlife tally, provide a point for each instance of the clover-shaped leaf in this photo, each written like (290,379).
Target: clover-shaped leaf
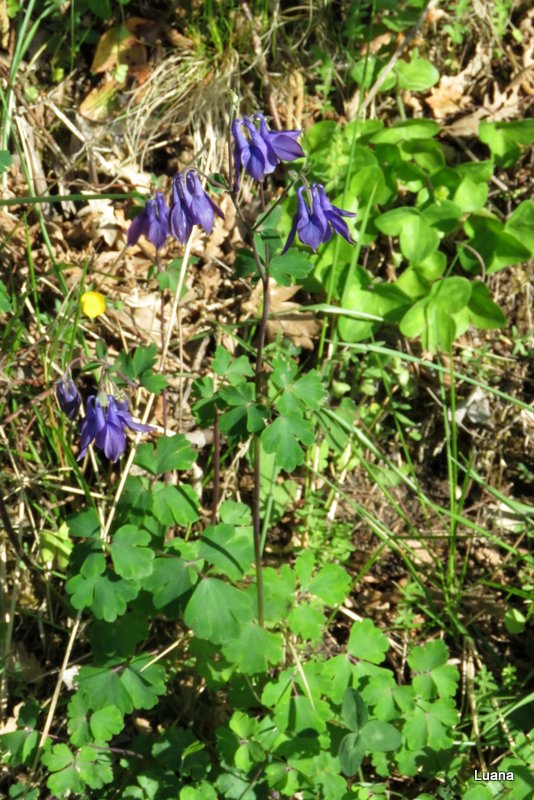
(170,453)
(367,642)
(282,438)
(131,558)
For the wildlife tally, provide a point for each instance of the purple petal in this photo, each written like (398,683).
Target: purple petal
(180,217)
(282,143)
(200,209)
(241,150)
(110,438)
(126,419)
(88,427)
(137,228)
(68,397)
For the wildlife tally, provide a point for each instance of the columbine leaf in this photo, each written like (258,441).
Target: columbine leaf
(170,579)
(216,611)
(100,687)
(367,642)
(143,683)
(331,584)
(435,677)
(254,649)
(78,724)
(290,268)
(170,453)
(131,558)
(107,595)
(231,550)
(175,505)
(429,725)
(306,622)
(106,723)
(306,392)
(230,368)
(282,437)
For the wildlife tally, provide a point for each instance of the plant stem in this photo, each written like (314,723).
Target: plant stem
(216,468)
(256,518)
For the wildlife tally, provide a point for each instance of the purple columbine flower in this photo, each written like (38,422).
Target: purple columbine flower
(262,151)
(105,422)
(68,397)
(152,222)
(315,225)
(191,205)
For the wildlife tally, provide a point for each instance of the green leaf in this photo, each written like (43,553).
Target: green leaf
(170,453)
(106,723)
(452,294)
(6,159)
(154,383)
(101,687)
(290,268)
(430,724)
(298,713)
(246,416)
(392,222)
(231,550)
(417,239)
(483,312)
(175,505)
(417,75)
(86,524)
(278,586)
(350,754)
(496,247)
(306,392)
(505,139)
(331,584)
(78,723)
(216,611)
(306,622)
(233,369)
(131,557)
(5,302)
(405,130)
(254,649)
(367,642)
(119,638)
(282,437)
(521,224)
(433,674)
(107,595)
(354,710)
(144,683)
(380,737)
(170,579)
(370,187)
(73,772)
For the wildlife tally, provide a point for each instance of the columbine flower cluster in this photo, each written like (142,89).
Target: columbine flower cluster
(260,152)
(257,151)
(105,421)
(190,205)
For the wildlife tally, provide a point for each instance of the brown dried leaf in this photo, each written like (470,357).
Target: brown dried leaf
(111,47)
(102,102)
(297,326)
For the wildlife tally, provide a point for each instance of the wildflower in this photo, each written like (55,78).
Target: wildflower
(261,153)
(105,422)
(190,205)
(93,304)
(315,225)
(68,397)
(152,222)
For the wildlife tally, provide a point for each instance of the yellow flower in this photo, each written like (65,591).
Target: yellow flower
(93,304)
